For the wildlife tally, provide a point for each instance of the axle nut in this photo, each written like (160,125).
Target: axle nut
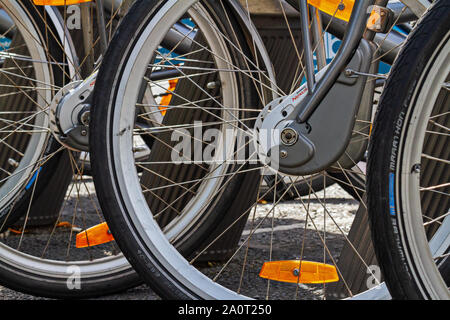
(289,136)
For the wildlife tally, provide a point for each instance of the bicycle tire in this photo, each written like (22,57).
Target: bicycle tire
(405,256)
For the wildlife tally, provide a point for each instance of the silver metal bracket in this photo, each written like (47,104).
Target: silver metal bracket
(417,6)
(69,114)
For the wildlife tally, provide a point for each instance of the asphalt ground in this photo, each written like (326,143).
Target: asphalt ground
(339,204)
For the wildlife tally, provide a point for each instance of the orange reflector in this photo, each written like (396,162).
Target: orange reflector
(341,9)
(165,101)
(94,236)
(58,2)
(374,22)
(288,271)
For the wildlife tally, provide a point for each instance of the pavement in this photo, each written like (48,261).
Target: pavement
(339,204)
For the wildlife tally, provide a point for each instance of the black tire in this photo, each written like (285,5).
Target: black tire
(15,279)
(393,120)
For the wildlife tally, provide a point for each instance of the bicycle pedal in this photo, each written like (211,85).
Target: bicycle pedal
(94,236)
(296,271)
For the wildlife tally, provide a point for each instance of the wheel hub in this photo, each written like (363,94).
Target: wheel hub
(273,132)
(69,114)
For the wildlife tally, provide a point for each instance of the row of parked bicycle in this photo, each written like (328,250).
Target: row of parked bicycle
(203,147)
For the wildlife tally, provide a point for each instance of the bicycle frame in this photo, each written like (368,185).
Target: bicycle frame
(316,90)
(351,39)
(307,151)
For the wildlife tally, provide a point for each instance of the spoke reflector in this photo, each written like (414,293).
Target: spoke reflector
(165,101)
(94,236)
(337,8)
(288,271)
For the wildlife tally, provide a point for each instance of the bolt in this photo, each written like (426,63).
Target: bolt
(85,117)
(283,154)
(308,128)
(348,72)
(416,168)
(341,6)
(289,136)
(13,162)
(213,85)
(84,132)
(296,272)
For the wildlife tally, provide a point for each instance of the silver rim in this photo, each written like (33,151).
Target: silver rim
(27,165)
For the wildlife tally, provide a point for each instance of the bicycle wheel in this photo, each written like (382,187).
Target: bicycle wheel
(39,257)
(355,187)
(159,215)
(303,188)
(408,165)
(20,151)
